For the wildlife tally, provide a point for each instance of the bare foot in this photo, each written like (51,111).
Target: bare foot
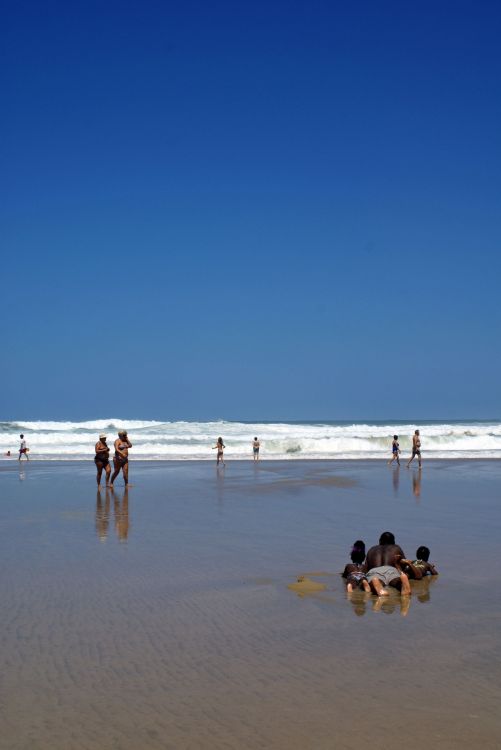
(349,588)
(366,587)
(378,587)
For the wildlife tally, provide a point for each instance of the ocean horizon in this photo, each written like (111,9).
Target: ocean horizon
(280,440)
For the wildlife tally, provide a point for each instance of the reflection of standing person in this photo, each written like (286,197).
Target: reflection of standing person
(255,448)
(122,516)
(416,449)
(416,482)
(102,516)
(395,449)
(396,479)
(220,446)
(23,449)
(121,458)
(101,459)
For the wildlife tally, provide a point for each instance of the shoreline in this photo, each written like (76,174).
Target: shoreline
(135,461)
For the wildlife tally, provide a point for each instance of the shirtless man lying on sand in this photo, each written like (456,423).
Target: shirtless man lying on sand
(383,566)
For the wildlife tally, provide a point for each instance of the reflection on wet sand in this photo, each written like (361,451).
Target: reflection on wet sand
(396,479)
(362,601)
(416,483)
(120,511)
(220,488)
(304,586)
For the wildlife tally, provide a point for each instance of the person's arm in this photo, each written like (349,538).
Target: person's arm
(129,444)
(408,566)
(347,570)
(431,569)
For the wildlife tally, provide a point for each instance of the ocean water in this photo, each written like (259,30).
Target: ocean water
(154,440)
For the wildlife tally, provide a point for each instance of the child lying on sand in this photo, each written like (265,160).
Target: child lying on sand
(355,571)
(419,567)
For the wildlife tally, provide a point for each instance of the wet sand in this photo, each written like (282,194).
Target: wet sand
(162,618)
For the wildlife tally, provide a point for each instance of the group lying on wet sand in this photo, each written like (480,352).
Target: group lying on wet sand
(385,565)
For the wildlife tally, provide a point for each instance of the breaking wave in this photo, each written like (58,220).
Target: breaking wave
(193,440)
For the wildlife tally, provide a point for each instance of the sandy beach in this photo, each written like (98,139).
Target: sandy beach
(161,618)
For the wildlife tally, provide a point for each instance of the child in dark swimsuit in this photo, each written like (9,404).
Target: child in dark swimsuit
(395,450)
(420,567)
(354,572)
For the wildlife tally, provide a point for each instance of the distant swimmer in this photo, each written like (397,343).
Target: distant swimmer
(102,459)
(23,449)
(220,446)
(121,458)
(7,454)
(395,449)
(416,449)
(255,448)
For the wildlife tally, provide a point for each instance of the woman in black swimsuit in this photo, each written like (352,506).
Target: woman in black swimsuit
(101,459)
(121,457)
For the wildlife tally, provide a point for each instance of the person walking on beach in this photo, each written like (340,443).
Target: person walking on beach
(416,449)
(255,448)
(121,458)
(220,446)
(102,459)
(23,449)
(395,449)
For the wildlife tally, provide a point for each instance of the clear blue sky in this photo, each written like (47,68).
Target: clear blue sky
(279,210)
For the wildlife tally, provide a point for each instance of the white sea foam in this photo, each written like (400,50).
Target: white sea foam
(193,440)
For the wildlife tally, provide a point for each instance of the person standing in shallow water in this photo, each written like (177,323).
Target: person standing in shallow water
(23,449)
(255,448)
(220,446)
(416,449)
(102,459)
(121,458)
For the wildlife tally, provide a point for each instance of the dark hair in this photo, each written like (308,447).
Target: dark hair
(220,440)
(358,551)
(21,435)
(395,437)
(423,553)
(386,538)
(255,438)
